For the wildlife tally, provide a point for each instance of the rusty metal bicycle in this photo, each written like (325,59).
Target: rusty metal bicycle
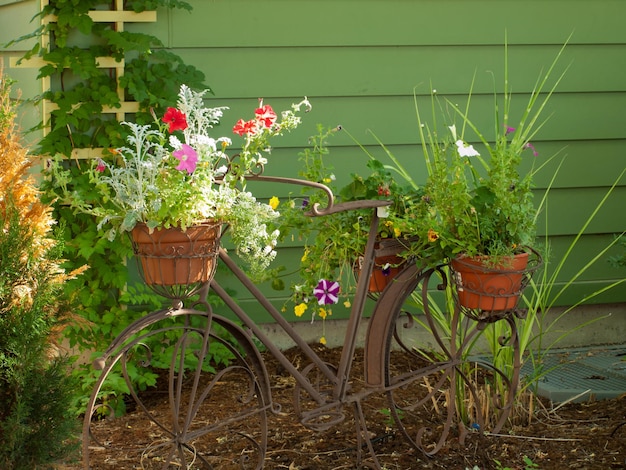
(409,357)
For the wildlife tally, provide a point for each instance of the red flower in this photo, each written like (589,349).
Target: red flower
(176,119)
(266,115)
(245,127)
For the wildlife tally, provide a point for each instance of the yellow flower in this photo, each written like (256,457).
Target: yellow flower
(274,202)
(323,340)
(347,304)
(323,313)
(304,256)
(432,235)
(397,232)
(299,309)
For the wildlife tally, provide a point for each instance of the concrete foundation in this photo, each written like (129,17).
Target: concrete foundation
(587,325)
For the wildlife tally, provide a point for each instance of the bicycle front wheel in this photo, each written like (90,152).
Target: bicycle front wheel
(208,409)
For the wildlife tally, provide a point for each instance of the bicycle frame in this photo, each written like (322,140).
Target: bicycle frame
(339,379)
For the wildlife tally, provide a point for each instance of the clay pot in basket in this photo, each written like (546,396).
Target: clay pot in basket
(175,257)
(489,288)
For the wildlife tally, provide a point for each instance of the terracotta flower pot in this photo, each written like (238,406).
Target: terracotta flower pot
(385,269)
(386,266)
(171,256)
(489,288)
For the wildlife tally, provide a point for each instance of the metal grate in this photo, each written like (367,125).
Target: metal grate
(593,373)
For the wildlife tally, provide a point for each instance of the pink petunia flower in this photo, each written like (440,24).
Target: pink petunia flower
(188,158)
(327,292)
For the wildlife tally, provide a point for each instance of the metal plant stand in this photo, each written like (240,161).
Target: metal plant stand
(398,364)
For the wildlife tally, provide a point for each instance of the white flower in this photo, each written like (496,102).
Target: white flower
(224,140)
(305,102)
(453,131)
(175,142)
(466,150)
(204,140)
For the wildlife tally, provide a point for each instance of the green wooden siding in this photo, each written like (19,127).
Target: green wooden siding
(360,62)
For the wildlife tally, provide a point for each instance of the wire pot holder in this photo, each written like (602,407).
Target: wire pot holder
(488,293)
(175,263)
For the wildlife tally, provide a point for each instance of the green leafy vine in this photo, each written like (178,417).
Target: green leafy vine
(106,295)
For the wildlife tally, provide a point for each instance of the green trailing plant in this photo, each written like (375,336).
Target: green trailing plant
(152,74)
(109,295)
(334,243)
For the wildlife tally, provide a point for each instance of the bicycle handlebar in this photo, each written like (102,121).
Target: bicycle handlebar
(331,207)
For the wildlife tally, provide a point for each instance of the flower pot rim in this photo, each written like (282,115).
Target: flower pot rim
(489,263)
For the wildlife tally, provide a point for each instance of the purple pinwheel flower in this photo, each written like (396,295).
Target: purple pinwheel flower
(327,292)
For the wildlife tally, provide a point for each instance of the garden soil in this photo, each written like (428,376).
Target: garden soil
(590,435)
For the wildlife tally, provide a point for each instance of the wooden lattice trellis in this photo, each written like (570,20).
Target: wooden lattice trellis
(119,17)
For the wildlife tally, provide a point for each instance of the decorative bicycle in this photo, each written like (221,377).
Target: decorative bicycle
(412,375)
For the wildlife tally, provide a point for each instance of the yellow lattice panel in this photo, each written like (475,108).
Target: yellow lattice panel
(119,17)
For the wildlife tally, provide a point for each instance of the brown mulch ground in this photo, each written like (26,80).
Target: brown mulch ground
(575,436)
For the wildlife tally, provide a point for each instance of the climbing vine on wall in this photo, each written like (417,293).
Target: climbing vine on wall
(98,75)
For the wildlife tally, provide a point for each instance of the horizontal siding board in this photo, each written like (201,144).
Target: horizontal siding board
(15,22)
(398,70)
(597,277)
(243,23)
(569,209)
(602,161)
(574,294)
(585,163)
(581,253)
(580,116)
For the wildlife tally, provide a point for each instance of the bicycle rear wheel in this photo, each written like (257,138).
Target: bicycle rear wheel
(436,385)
